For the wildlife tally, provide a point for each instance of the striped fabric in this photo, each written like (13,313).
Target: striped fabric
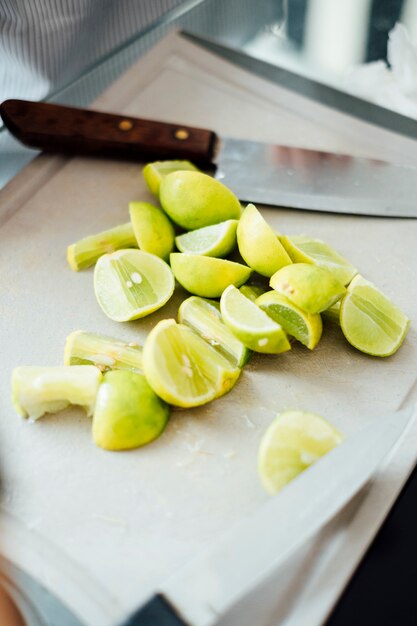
(45,43)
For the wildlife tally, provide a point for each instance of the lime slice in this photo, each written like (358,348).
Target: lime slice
(128,414)
(293,441)
(207,276)
(86,251)
(106,353)
(131,283)
(258,244)
(153,230)
(182,368)
(154,172)
(217,240)
(204,317)
(370,321)
(39,390)
(193,200)
(306,327)
(303,249)
(251,325)
(310,287)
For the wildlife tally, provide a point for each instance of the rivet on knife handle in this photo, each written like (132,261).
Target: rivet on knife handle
(57,128)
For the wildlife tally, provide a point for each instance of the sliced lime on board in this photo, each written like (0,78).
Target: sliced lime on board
(217,240)
(154,172)
(153,230)
(86,251)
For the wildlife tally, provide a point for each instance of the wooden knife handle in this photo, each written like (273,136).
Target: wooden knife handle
(57,128)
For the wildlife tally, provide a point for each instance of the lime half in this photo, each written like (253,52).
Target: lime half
(131,283)
(182,368)
(370,321)
(306,327)
(303,249)
(154,172)
(217,240)
(293,441)
(251,325)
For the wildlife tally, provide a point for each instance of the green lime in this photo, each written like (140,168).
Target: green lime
(310,287)
(39,390)
(106,353)
(251,325)
(204,317)
(217,240)
(293,441)
(306,327)
(258,244)
(303,249)
(182,368)
(153,230)
(370,321)
(86,251)
(154,172)
(193,200)
(251,291)
(131,283)
(128,414)
(207,276)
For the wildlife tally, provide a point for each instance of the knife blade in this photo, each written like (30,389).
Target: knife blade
(241,560)
(257,172)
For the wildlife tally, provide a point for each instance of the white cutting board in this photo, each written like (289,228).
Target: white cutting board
(127,520)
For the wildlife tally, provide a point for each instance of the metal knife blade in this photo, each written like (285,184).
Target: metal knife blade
(206,588)
(256,172)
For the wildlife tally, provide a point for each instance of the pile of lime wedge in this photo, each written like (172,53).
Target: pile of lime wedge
(251,290)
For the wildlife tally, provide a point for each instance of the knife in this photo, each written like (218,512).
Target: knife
(202,591)
(256,172)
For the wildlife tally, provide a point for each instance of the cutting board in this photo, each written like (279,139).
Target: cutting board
(125,521)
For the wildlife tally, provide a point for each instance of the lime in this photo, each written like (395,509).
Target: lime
(251,291)
(303,249)
(310,287)
(154,172)
(292,442)
(306,327)
(251,325)
(131,283)
(217,240)
(86,251)
(182,368)
(204,317)
(207,276)
(370,321)
(258,244)
(39,390)
(193,200)
(153,230)
(106,353)
(332,314)
(128,414)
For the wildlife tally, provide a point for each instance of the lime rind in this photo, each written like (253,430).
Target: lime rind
(304,249)
(305,327)
(217,240)
(153,229)
(204,317)
(370,321)
(130,284)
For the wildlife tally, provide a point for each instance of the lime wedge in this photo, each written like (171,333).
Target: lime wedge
(303,249)
(204,317)
(153,230)
(251,291)
(182,368)
(128,414)
(370,321)
(131,283)
(258,244)
(39,390)
(310,287)
(306,327)
(154,172)
(251,325)
(217,240)
(86,251)
(293,441)
(207,276)
(106,353)
(193,200)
